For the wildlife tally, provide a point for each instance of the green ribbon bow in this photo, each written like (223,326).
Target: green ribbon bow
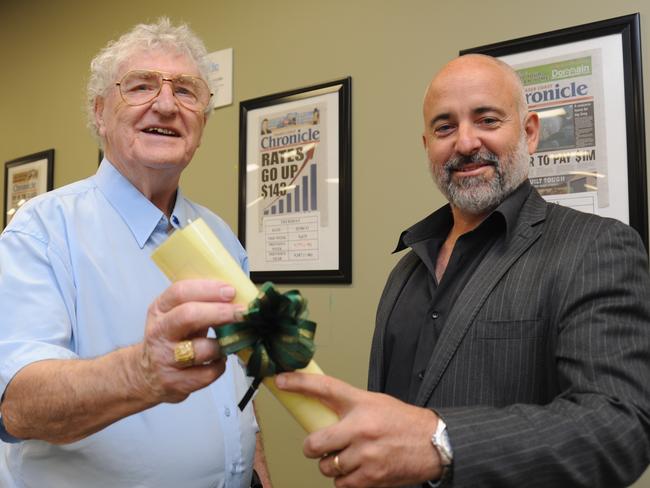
(276,329)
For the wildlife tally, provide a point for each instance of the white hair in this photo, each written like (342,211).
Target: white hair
(143,37)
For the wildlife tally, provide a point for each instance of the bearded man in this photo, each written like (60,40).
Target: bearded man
(512,340)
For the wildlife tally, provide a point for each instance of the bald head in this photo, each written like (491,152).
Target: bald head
(479,65)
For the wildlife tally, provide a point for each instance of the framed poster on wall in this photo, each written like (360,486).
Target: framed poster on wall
(585,82)
(25,178)
(295,184)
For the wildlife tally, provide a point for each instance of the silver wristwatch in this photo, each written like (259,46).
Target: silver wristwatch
(440,441)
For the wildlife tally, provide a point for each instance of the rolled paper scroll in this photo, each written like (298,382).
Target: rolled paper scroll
(195,252)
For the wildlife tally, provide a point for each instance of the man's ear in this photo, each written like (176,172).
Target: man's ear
(99,116)
(531,126)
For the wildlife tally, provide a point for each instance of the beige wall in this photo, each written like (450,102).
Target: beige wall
(390,48)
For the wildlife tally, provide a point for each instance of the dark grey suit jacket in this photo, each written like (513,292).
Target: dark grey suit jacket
(542,371)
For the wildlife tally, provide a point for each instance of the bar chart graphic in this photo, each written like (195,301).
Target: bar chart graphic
(301,196)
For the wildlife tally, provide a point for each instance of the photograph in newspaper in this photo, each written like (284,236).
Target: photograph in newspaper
(292,186)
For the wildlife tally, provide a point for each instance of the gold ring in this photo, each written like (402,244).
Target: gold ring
(184,353)
(337,465)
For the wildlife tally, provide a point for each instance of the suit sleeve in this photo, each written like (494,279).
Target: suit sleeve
(595,432)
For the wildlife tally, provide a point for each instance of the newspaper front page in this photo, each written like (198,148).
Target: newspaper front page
(570,165)
(292,214)
(294,199)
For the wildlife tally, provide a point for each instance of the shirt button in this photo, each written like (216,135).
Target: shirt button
(227,412)
(435,315)
(421,375)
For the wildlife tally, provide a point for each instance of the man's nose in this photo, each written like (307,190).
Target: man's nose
(166,102)
(467,141)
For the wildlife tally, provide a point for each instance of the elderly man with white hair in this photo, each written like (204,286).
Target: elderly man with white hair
(109,376)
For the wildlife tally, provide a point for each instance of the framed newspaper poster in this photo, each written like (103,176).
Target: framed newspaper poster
(25,178)
(295,184)
(585,82)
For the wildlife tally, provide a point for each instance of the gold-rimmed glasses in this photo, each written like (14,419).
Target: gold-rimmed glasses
(141,86)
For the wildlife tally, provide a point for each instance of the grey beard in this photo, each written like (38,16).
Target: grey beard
(478,194)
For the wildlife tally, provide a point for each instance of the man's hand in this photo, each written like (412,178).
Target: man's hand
(379,441)
(61,401)
(185,311)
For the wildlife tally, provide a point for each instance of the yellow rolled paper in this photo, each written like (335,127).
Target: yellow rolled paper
(195,252)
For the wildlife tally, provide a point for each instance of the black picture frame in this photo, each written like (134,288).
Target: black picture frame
(25,178)
(626,29)
(315,245)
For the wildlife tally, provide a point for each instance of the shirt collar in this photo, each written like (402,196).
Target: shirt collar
(181,214)
(511,206)
(439,223)
(137,211)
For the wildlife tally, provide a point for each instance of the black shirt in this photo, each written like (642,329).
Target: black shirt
(423,306)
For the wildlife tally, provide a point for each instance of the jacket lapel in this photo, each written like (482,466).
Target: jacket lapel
(495,264)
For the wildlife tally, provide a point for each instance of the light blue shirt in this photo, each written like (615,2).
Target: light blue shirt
(76,279)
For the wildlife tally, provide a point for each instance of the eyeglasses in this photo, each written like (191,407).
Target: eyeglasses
(141,86)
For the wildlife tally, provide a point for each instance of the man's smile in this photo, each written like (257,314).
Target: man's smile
(161,131)
(471,167)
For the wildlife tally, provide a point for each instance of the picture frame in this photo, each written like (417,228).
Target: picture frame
(25,178)
(295,215)
(586,83)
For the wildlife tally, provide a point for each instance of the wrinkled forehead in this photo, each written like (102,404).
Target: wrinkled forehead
(166,60)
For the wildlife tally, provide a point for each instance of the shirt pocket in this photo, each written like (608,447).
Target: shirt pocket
(510,361)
